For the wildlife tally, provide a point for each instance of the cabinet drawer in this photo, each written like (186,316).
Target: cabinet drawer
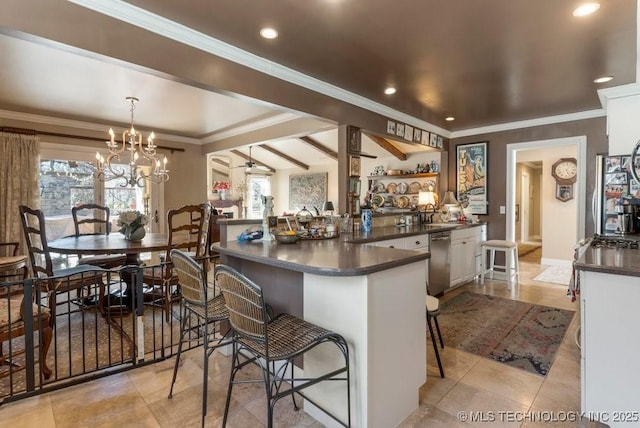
(391,243)
(417,242)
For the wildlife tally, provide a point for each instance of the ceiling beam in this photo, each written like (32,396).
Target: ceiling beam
(284,156)
(220,161)
(252,159)
(385,144)
(316,145)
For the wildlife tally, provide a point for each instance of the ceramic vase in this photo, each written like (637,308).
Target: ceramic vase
(135,234)
(223,195)
(367,220)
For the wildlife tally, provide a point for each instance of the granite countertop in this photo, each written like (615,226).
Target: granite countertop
(329,257)
(343,256)
(617,261)
(392,232)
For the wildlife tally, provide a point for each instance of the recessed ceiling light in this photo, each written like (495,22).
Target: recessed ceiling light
(603,79)
(269,33)
(390,90)
(586,9)
(449,118)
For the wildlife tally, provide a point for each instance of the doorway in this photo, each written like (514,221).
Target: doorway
(557,239)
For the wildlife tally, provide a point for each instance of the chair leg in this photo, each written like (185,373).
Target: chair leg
(183,328)
(205,379)
(492,262)
(234,357)
(435,346)
(293,395)
(435,320)
(46,333)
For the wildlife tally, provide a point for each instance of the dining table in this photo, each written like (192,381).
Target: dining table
(115,243)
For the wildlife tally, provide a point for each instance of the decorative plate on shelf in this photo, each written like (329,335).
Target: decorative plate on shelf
(402,201)
(391,188)
(414,187)
(377,200)
(378,187)
(427,184)
(390,201)
(401,188)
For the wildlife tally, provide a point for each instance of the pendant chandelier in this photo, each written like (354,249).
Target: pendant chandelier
(144,164)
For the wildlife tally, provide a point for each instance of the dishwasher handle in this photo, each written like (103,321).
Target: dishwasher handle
(442,236)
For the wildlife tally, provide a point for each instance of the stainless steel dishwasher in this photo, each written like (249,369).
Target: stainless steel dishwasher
(439,275)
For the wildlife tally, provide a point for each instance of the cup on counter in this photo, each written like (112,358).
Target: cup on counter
(408,220)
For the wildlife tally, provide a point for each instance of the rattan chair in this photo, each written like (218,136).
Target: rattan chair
(433,310)
(60,281)
(188,230)
(201,310)
(279,340)
(12,264)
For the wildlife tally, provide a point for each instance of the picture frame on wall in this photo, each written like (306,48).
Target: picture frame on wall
(354,166)
(307,190)
(354,143)
(471,177)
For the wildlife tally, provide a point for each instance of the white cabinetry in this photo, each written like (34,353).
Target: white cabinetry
(610,347)
(466,254)
(416,242)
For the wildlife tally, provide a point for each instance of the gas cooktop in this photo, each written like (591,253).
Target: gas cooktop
(616,241)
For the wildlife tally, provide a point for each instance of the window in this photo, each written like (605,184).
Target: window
(258,185)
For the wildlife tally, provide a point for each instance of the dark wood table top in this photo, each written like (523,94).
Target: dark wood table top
(113,243)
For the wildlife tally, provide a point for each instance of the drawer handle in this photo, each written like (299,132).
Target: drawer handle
(417,242)
(392,246)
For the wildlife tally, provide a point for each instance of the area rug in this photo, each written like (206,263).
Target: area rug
(556,275)
(515,333)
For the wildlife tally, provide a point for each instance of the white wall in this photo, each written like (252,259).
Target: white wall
(558,218)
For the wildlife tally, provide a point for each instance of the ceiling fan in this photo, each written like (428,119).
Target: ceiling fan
(250,167)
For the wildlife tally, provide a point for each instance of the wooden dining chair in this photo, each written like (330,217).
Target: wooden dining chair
(93,219)
(55,281)
(188,230)
(12,264)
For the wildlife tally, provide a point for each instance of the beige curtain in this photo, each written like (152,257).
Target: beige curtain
(19,178)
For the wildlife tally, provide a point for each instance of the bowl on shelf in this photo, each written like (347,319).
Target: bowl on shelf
(287,239)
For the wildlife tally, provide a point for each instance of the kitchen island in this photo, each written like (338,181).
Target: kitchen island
(609,281)
(374,297)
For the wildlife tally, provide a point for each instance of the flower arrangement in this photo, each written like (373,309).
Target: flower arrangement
(221,185)
(131,220)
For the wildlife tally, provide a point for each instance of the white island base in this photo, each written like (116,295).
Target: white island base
(382,317)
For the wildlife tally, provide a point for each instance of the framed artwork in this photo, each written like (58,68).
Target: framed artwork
(425,138)
(354,145)
(408,132)
(354,166)
(433,140)
(471,176)
(400,129)
(354,186)
(564,192)
(391,127)
(417,135)
(308,190)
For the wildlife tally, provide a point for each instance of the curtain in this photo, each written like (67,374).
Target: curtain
(19,177)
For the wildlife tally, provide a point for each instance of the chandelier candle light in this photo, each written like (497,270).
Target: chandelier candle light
(141,158)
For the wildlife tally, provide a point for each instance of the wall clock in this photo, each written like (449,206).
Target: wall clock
(565,171)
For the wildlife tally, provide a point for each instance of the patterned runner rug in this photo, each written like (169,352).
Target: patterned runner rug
(515,333)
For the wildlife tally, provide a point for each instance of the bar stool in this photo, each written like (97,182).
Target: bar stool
(511,267)
(433,310)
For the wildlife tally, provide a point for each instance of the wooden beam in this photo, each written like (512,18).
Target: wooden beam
(220,161)
(385,144)
(313,143)
(284,156)
(252,159)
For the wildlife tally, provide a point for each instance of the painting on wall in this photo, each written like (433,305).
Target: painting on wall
(308,190)
(471,167)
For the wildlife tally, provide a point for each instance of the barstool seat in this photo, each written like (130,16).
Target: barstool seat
(511,267)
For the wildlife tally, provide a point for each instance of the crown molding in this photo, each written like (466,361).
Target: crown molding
(549,120)
(164,27)
(606,94)
(88,126)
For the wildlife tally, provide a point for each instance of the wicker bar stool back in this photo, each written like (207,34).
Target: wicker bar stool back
(270,341)
(201,310)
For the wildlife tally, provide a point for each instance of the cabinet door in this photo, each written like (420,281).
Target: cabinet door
(457,262)
(469,251)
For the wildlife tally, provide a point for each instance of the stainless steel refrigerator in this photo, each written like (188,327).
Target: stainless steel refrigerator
(614,185)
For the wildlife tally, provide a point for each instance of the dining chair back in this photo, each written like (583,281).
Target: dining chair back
(267,341)
(55,281)
(93,219)
(188,229)
(202,308)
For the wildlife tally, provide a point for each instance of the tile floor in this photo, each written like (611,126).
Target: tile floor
(139,397)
